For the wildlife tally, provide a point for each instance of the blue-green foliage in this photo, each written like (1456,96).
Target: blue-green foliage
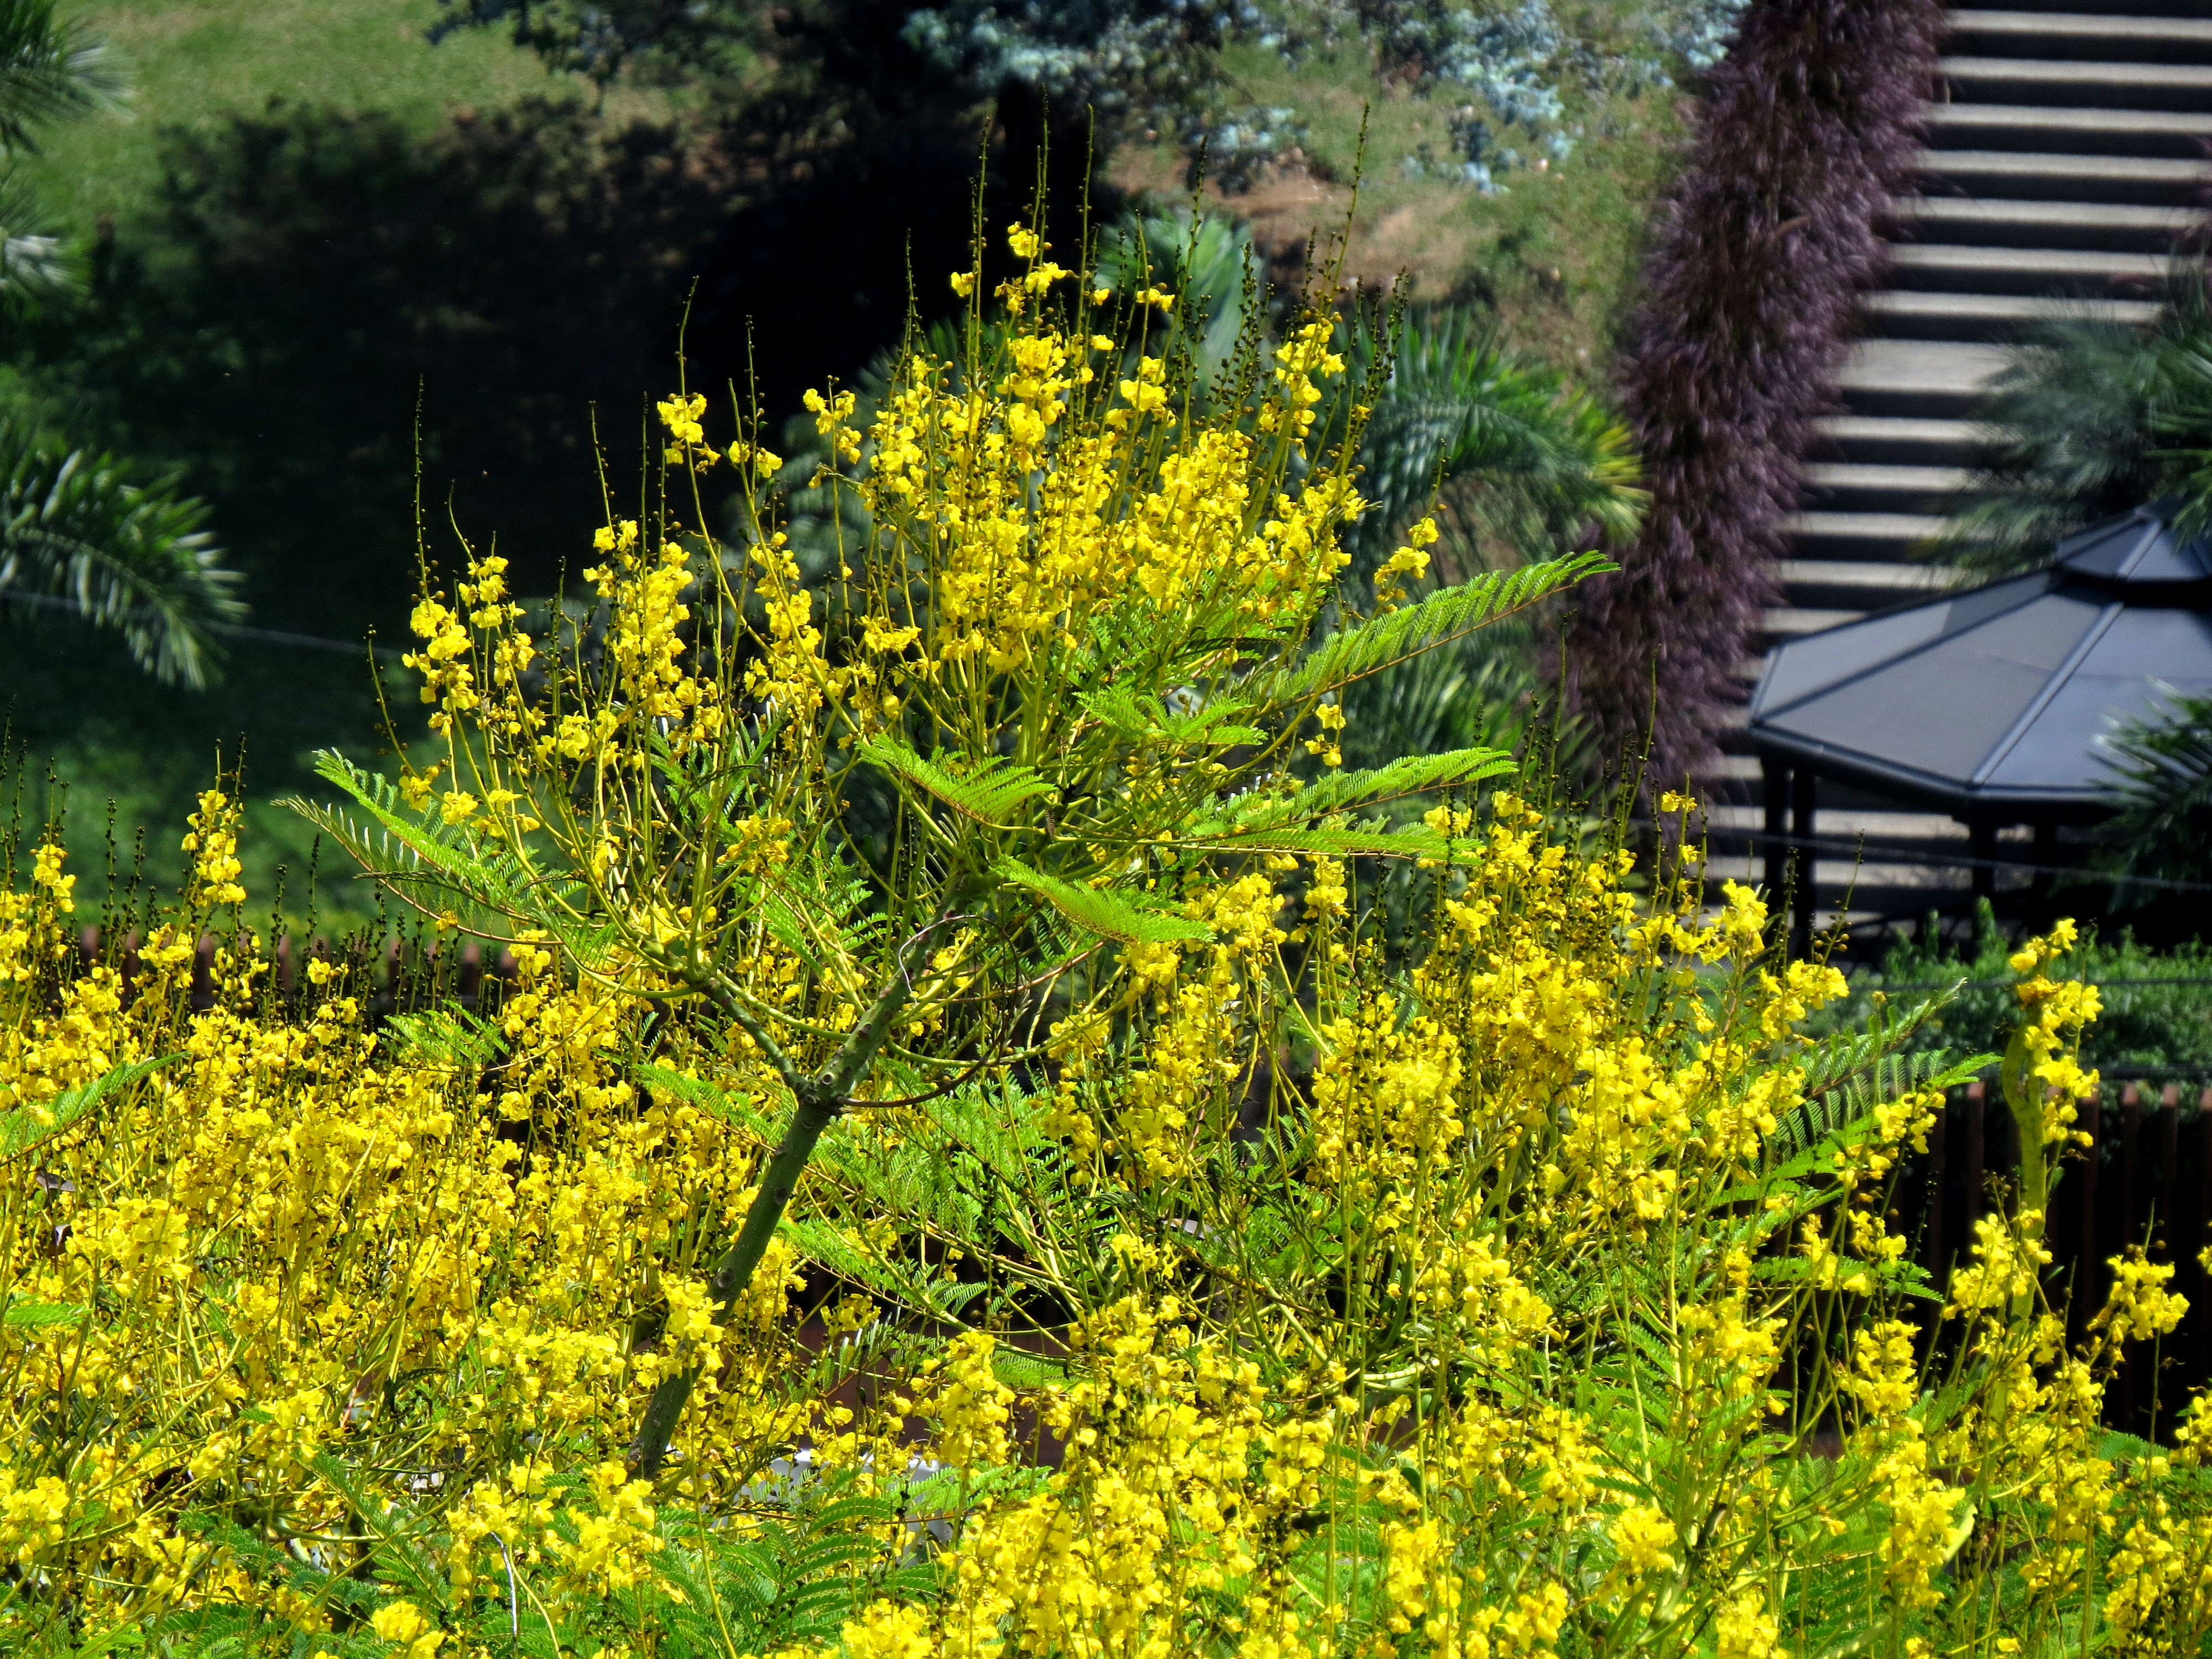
(1516,71)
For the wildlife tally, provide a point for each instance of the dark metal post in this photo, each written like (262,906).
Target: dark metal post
(1774,776)
(2045,856)
(1801,862)
(1982,844)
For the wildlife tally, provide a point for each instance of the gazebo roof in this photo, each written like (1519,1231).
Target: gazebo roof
(1992,700)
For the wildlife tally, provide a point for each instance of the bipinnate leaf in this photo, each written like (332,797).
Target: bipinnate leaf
(1410,775)
(1396,635)
(439,866)
(1148,720)
(990,791)
(1294,822)
(27,1127)
(1096,910)
(37,1315)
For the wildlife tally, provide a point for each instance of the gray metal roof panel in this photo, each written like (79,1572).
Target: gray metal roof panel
(2141,546)
(1818,662)
(2003,694)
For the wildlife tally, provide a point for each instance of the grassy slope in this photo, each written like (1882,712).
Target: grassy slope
(195,62)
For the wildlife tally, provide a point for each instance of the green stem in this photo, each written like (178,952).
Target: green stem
(816,1102)
(2024,1096)
(733,1274)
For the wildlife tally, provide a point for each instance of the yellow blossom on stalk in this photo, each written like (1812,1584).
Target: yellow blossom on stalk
(407,1628)
(213,843)
(1643,1537)
(1409,563)
(46,872)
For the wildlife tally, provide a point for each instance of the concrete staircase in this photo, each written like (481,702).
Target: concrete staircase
(2066,157)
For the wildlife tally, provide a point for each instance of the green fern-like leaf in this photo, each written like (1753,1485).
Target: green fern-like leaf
(1097,911)
(439,866)
(1398,636)
(1415,841)
(990,791)
(1214,725)
(28,1127)
(1411,775)
(449,1036)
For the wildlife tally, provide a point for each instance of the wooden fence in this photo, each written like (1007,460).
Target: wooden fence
(2146,1179)
(405,973)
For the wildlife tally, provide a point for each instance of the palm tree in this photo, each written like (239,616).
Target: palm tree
(2090,419)
(79,534)
(2161,829)
(1523,459)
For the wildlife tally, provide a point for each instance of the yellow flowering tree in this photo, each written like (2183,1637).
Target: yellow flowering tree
(1074,645)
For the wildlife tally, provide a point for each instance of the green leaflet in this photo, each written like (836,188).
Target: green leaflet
(1375,645)
(409,850)
(1416,842)
(1097,911)
(1343,792)
(1849,1097)
(739,1111)
(1118,707)
(21,1130)
(989,791)
(451,1036)
(36,1316)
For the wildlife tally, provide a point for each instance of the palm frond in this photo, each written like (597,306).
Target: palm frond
(36,266)
(1546,460)
(1206,262)
(135,557)
(2162,787)
(2090,418)
(51,69)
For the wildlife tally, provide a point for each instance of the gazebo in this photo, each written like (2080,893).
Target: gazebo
(1988,703)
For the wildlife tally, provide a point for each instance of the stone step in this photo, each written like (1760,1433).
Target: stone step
(2128,7)
(1864,487)
(1870,585)
(1911,314)
(2039,176)
(2109,226)
(1881,439)
(2074,84)
(2041,129)
(1919,379)
(2081,34)
(2084,273)
(1864,536)
(1787,622)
